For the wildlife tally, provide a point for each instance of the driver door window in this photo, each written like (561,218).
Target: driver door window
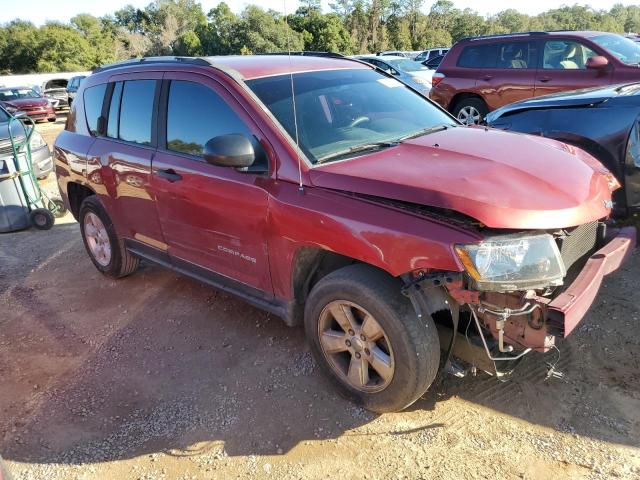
(196,114)
(566,55)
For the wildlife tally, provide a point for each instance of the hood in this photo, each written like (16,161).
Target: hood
(502,179)
(27,102)
(17,130)
(575,98)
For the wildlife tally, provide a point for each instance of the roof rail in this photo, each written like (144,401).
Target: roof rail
(307,53)
(154,60)
(505,35)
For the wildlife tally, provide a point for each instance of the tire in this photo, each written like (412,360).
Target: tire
(119,262)
(41,219)
(412,346)
(467,107)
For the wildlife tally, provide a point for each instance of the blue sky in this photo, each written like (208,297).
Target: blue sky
(39,11)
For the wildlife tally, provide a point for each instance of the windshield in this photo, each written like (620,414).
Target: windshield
(17,94)
(622,48)
(338,110)
(407,65)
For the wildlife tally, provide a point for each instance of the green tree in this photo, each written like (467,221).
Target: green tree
(62,48)
(19,47)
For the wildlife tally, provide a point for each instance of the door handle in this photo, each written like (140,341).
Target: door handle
(169,174)
(544,79)
(487,77)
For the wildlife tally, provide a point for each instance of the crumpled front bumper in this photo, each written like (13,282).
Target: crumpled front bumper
(544,319)
(567,309)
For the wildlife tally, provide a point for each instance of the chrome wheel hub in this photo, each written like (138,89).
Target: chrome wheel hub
(97,239)
(355,346)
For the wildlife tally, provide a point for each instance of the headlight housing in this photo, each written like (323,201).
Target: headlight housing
(36,141)
(513,262)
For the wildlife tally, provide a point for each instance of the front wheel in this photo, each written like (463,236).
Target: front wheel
(471,111)
(366,337)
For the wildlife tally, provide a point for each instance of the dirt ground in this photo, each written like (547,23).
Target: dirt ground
(158,377)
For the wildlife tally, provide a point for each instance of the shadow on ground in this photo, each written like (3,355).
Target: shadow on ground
(159,363)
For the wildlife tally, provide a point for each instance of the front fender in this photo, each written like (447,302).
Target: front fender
(393,240)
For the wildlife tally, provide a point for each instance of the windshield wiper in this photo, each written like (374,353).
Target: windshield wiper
(358,148)
(425,131)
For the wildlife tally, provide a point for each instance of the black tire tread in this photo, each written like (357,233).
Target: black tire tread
(361,279)
(123,263)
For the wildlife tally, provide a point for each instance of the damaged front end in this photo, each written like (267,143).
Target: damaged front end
(519,292)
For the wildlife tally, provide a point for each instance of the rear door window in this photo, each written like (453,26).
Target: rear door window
(516,55)
(136,111)
(114,111)
(93,99)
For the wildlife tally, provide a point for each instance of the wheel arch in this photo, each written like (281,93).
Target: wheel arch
(458,97)
(76,193)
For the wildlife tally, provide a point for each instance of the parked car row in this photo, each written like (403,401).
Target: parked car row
(481,74)
(412,73)
(356,207)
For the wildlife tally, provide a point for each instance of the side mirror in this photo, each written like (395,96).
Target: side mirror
(598,62)
(233,150)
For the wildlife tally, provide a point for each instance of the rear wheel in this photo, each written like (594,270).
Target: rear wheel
(470,111)
(106,251)
(366,337)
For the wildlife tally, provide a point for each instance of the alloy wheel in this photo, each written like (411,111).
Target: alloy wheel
(356,346)
(469,115)
(97,239)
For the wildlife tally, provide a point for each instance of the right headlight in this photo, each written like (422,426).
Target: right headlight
(513,262)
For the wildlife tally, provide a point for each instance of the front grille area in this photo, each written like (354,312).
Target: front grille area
(6,148)
(578,245)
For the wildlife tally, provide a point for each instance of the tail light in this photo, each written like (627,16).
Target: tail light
(437,78)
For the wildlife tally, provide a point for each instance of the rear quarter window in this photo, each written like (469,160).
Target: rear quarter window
(478,56)
(93,99)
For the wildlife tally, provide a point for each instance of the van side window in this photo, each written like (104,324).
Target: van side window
(93,99)
(136,111)
(196,114)
(566,55)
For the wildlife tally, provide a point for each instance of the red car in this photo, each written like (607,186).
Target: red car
(369,215)
(27,100)
(481,74)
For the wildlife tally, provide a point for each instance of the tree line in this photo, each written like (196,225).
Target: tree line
(181,27)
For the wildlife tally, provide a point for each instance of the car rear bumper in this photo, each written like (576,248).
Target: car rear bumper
(567,309)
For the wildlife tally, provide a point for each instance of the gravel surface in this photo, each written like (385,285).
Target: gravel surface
(158,377)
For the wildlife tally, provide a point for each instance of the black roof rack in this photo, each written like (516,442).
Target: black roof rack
(307,53)
(154,60)
(504,35)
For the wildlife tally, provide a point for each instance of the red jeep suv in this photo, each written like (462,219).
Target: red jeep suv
(481,74)
(332,195)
